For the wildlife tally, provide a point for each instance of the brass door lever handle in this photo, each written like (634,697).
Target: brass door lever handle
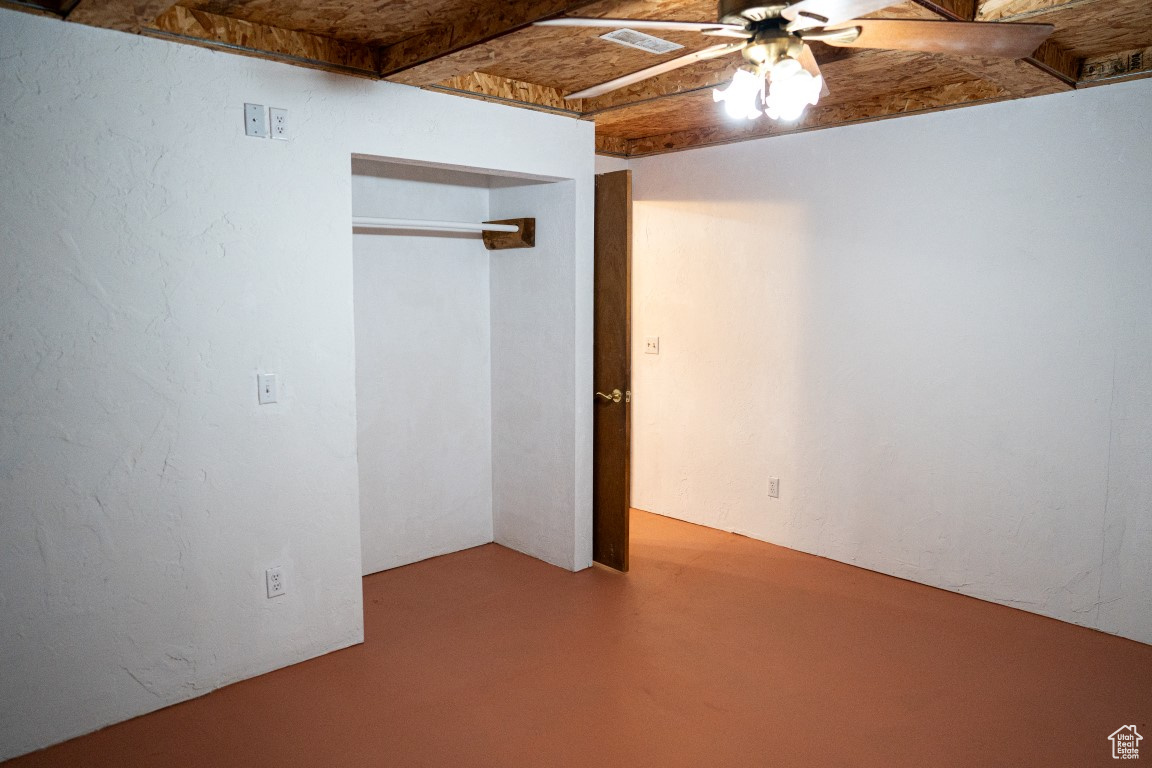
(615,397)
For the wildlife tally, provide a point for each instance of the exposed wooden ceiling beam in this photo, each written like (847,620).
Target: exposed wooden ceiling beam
(124,15)
(996,10)
(55,8)
(482,24)
(225,33)
(931,99)
(471,59)
(610,145)
(504,90)
(1114,67)
(957,10)
(1020,78)
(1057,61)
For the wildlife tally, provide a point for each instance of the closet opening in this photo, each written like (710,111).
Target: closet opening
(467,424)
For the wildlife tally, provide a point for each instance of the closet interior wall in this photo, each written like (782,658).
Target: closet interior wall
(423,366)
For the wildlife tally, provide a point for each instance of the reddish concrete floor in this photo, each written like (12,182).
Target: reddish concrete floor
(715,650)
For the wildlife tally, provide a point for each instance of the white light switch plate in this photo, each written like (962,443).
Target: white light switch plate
(652,345)
(266,382)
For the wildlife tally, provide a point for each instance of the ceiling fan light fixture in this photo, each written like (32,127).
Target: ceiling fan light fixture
(791,88)
(744,95)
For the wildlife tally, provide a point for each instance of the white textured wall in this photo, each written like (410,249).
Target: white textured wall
(937,331)
(608,164)
(423,367)
(155,259)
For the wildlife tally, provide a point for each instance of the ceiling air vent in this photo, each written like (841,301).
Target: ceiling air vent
(634,39)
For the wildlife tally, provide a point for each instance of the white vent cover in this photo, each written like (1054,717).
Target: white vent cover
(634,39)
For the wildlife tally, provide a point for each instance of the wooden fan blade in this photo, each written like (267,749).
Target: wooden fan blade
(809,14)
(965,38)
(707,27)
(667,66)
(808,61)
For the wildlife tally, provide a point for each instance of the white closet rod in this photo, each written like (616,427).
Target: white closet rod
(443,226)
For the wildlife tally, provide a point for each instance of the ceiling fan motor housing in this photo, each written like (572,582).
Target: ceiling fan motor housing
(745,11)
(768,46)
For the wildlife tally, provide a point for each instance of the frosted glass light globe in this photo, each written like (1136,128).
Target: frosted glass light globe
(743,95)
(790,90)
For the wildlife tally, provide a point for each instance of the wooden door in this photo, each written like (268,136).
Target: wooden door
(613,369)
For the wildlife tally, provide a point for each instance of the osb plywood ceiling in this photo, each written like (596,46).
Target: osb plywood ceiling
(488,49)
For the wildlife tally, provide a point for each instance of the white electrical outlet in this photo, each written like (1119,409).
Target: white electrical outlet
(275,579)
(278,120)
(774,487)
(652,345)
(255,121)
(267,389)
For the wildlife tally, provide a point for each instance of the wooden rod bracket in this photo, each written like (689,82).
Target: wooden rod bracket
(523,237)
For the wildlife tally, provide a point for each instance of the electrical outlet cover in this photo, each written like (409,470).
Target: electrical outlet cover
(278,123)
(275,581)
(255,121)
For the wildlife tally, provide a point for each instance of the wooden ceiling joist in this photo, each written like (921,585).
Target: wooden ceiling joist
(480,25)
(124,15)
(610,145)
(1057,61)
(957,10)
(998,10)
(54,8)
(1126,65)
(214,31)
(1021,78)
(504,90)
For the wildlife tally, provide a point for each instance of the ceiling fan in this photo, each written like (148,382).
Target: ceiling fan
(774,41)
